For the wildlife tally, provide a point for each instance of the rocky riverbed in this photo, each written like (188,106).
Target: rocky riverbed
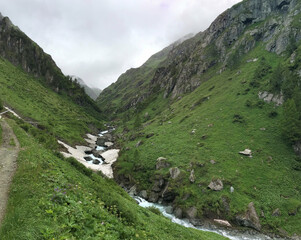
(99,155)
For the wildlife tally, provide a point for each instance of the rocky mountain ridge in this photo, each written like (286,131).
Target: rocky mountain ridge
(234,33)
(20,50)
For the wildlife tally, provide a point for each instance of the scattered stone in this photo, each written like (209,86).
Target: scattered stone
(178,213)
(216,185)
(276,213)
(222,222)
(169,210)
(193,131)
(158,185)
(231,189)
(212,162)
(174,172)
(169,122)
(153,197)
(108,144)
(269,97)
(150,135)
(192,176)
(250,218)
(191,213)
(162,163)
(88,159)
(100,141)
(210,125)
(262,129)
(133,190)
(246,152)
(143,194)
(139,143)
(96,161)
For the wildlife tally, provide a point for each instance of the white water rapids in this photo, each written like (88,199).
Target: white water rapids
(233,235)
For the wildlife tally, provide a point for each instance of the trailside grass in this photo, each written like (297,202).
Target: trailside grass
(39,105)
(56,198)
(216,121)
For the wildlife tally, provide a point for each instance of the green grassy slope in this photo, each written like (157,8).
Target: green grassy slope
(56,114)
(227,117)
(55,198)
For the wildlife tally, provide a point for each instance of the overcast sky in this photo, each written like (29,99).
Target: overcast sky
(98,40)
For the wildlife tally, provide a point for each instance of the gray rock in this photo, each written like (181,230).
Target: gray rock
(96,161)
(231,189)
(192,176)
(212,162)
(191,213)
(246,152)
(250,218)
(139,143)
(169,209)
(162,163)
(153,197)
(143,194)
(216,185)
(174,172)
(88,159)
(133,190)
(100,141)
(178,212)
(276,213)
(158,185)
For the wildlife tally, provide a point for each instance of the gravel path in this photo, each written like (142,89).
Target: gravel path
(8,163)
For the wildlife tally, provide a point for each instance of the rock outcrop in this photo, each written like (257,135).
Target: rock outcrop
(216,185)
(250,218)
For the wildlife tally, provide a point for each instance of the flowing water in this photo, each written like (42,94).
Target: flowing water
(233,235)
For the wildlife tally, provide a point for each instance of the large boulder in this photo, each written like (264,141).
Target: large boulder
(158,185)
(100,141)
(191,213)
(174,172)
(153,197)
(143,194)
(250,218)
(178,212)
(162,163)
(216,185)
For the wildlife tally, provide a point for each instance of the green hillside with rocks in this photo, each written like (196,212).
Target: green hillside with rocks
(214,130)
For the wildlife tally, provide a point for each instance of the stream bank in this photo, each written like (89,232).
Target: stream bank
(100,154)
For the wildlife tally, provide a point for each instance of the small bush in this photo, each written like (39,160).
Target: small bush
(238,119)
(80,167)
(155,210)
(248,103)
(273,114)
(1,105)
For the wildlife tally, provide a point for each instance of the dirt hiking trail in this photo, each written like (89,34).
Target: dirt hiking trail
(9,150)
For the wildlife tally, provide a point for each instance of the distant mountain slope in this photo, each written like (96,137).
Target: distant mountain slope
(132,86)
(20,50)
(92,92)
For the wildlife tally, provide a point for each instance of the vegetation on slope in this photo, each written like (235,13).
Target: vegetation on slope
(56,198)
(56,114)
(215,122)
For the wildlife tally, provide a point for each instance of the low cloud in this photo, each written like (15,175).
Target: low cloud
(98,40)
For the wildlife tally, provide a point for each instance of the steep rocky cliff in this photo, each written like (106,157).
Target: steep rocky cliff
(234,33)
(19,49)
